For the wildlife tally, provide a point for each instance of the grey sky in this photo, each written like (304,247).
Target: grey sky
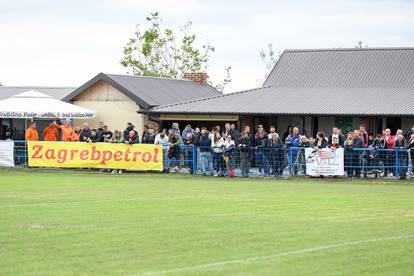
(68,42)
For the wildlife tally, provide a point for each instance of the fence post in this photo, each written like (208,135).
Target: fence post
(290,161)
(397,173)
(194,160)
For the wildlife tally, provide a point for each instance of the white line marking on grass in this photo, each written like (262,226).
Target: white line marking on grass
(89,201)
(283,254)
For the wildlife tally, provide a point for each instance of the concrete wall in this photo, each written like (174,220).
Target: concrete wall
(113,107)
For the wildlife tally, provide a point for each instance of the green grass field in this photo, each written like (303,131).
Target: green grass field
(86,223)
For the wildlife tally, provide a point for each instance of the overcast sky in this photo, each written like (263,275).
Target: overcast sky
(65,43)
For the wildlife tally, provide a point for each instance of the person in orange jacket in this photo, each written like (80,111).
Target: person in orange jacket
(50,133)
(75,135)
(67,131)
(31,133)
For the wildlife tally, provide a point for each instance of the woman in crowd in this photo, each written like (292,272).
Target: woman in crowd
(411,151)
(348,147)
(244,144)
(320,141)
(262,163)
(276,154)
(335,144)
(217,145)
(229,147)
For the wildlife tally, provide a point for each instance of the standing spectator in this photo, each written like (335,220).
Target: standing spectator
(400,146)
(301,158)
(188,151)
(320,141)
(31,133)
(292,143)
(162,139)
(66,130)
(244,144)
(228,131)
(50,133)
(130,127)
(358,145)
(175,128)
(335,144)
(94,137)
(336,134)
(411,151)
(99,131)
(409,132)
(262,162)
(348,154)
(132,138)
(228,154)
(218,129)
(272,130)
(364,136)
(76,134)
(145,135)
(205,153)
(174,152)
(85,133)
(389,154)
(234,132)
(106,134)
(148,137)
(117,138)
(7,135)
(276,154)
(218,148)
(288,132)
(187,130)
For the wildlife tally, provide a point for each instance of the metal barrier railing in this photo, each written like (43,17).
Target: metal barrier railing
(271,162)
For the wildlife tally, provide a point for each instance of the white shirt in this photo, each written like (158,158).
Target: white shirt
(161,141)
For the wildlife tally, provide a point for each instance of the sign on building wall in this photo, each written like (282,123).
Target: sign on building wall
(6,154)
(326,162)
(95,155)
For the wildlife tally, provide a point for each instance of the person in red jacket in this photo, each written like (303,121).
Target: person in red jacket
(389,154)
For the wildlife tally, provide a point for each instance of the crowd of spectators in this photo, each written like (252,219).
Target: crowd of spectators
(221,150)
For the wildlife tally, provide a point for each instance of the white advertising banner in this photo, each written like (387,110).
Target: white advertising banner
(6,154)
(326,162)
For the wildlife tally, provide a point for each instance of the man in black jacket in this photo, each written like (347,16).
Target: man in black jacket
(335,133)
(357,152)
(85,133)
(244,144)
(130,127)
(205,153)
(400,146)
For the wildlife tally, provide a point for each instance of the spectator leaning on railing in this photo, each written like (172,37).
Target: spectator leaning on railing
(222,154)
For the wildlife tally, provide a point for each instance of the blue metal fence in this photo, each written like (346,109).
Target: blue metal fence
(270,162)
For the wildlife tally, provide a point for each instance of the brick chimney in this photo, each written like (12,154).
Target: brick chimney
(199,77)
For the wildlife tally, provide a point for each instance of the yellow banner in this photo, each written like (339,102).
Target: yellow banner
(95,155)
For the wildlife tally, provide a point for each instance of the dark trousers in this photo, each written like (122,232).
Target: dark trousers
(356,164)
(277,162)
(218,162)
(244,163)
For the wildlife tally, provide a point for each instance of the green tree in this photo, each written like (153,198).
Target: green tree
(158,51)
